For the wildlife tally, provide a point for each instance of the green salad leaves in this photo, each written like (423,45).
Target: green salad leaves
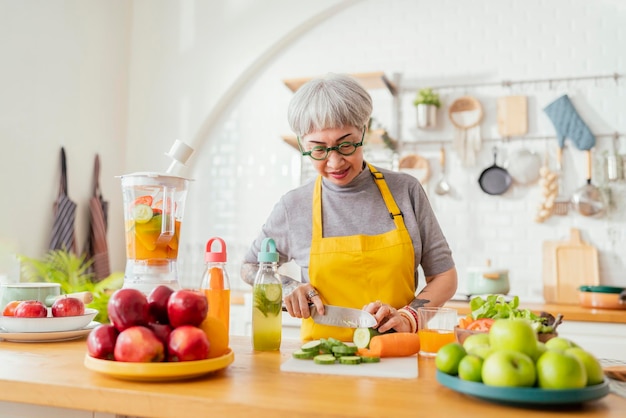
(496,307)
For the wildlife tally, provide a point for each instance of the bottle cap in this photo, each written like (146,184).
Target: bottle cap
(268,255)
(211,256)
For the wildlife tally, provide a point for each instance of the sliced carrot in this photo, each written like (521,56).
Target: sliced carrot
(397,344)
(143,200)
(465,321)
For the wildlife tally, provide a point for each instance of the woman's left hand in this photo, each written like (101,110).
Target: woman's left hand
(387,317)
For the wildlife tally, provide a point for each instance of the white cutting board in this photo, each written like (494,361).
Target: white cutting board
(399,367)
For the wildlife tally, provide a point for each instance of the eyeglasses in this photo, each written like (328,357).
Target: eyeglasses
(320,153)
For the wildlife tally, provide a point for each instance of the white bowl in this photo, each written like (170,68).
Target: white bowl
(49,324)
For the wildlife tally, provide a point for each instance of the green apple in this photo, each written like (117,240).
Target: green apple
(509,368)
(470,368)
(481,351)
(448,358)
(595,375)
(557,370)
(541,348)
(513,334)
(476,340)
(559,343)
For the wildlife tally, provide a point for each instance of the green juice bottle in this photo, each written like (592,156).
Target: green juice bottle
(267,295)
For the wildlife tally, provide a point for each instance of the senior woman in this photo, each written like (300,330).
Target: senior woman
(358,233)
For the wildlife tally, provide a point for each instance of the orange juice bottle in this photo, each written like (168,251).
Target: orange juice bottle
(215,282)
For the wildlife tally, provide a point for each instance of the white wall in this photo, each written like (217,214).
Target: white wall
(63,82)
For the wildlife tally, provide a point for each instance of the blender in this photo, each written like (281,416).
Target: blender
(153,211)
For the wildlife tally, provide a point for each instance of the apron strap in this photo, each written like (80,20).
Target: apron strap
(394,211)
(317,209)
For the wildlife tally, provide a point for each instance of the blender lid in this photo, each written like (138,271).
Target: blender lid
(152,174)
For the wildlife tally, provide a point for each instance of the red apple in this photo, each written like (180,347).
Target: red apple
(157,299)
(162,331)
(68,306)
(138,344)
(187,307)
(128,307)
(101,342)
(31,309)
(187,343)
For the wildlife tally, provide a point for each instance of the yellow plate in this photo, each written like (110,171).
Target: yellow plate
(156,372)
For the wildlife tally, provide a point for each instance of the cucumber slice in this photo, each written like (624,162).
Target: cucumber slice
(312,346)
(350,360)
(324,359)
(273,293)
(142,213)
(370,359)
(344,350)
(363,336)
(304,355)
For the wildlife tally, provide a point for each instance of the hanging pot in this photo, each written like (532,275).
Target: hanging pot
(495,180)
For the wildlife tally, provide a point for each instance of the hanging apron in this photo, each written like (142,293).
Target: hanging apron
(352,271)
(62,237)
(97,248)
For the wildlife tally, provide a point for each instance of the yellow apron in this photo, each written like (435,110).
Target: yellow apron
(352,271)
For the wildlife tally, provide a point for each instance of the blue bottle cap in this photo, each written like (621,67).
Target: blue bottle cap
(268,252)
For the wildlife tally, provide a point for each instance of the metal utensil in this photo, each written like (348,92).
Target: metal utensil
(495,180)
(561,203)
(337,316)
(442,186)
(588,200)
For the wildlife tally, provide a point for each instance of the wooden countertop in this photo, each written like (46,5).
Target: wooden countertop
(53,374)
(569,312)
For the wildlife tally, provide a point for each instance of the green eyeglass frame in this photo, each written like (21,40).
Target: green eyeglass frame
(320,153)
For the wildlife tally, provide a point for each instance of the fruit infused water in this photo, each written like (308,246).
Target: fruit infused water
(153,212)
(267,295)
(215,282)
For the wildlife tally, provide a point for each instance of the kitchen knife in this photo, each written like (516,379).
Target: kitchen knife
(337,316)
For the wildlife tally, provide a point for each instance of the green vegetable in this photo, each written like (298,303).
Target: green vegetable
(363,336)
(496,307)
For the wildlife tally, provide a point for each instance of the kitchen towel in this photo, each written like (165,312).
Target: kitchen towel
(569,124)
(64,215)
(97,248)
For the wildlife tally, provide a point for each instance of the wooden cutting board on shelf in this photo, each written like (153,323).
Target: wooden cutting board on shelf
(567,265)
(512,115)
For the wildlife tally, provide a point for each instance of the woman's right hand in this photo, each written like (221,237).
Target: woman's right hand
(297,302)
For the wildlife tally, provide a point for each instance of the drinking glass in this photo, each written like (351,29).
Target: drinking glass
(435,328)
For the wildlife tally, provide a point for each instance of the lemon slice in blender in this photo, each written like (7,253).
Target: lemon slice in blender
(142,213)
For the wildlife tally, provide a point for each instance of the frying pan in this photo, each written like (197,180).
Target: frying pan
(588,200)
(495,180)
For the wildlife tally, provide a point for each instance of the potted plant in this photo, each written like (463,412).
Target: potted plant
(427,102)
(72,273)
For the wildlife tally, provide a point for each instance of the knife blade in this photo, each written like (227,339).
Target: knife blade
(337,316)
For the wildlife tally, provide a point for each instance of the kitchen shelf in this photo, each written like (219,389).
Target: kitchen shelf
(371,81)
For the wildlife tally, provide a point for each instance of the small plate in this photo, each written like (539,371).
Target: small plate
(48,324)
(158,372)
(524,396)
(37,337)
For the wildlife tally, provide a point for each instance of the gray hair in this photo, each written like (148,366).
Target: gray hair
(332,101)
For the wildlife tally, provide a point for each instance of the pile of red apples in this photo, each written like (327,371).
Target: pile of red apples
(162,326)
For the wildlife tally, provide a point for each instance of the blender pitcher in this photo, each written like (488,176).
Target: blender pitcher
(153,211)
